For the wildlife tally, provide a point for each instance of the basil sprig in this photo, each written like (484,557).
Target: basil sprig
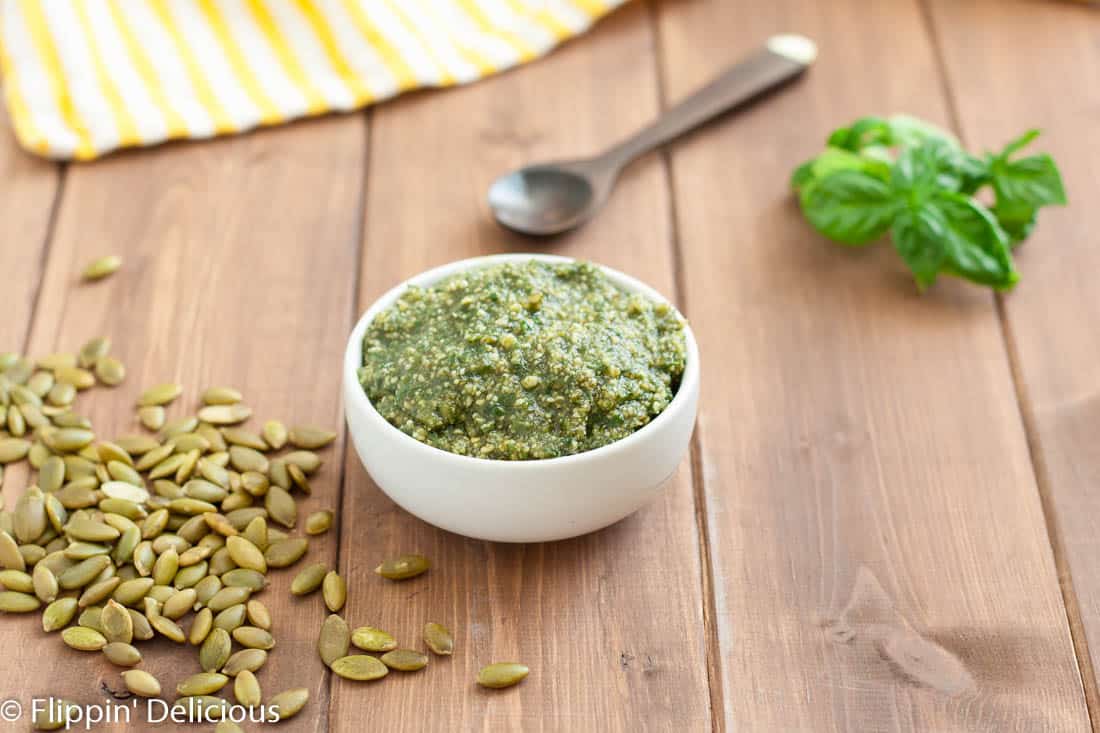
(912,179)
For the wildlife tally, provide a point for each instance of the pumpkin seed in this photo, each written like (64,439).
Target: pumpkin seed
(110,371)
(213,473)
(215,650)
(168,628)
(151,417)
(298,478)
(17,424)
(58,614)
(309,579)
(137,445)
(306,460)
(405,660)
(309,437)
(225,414)
(161,394)
(189,576)
(82,573)
(203,683)
(102,267)
(194,556)
(16,580)
(128,485)
(502,674)
(246,554)
(45,583)
(83,639)
(246,688)
(221,396)
(277,472)
(166,566)
(90,618)
(275,434)
(438,638)
(253,637)
(289,703)
(250,659)
(179,604)
(404,567)
(89,530)
(319,522)
(201,627)
(281,507)
(246,438)
(13,449)
(334,590)
(142,630)
(116,624)
(243,459)
(131,592)
(141,683)
(10,557)
(245,578)
(29,516)
(258,615)
(191,506)
(51,474)
(370,639)
(255,483)
(333,641)
(69,440)
(359,667)
(121,654)
(98,591)
(231,618)
(228,596)
(61,394)
(256,533)
(15,602)
(284,553)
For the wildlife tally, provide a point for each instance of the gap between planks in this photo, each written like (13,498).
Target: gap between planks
(1070,602)
(695,456)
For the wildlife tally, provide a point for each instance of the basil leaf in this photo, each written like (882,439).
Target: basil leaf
(1017,220)
(922,170)
(1033,180)
(1019,143)
(975,246)
(849,206)
(955,234)
(910,132)
(836,159)
(863,132)
(915,239)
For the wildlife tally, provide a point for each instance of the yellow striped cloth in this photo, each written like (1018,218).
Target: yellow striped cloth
(84,77)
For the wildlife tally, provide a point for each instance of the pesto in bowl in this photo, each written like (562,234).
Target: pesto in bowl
(522,360)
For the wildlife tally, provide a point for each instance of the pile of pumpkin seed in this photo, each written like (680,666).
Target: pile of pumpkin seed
(120,540)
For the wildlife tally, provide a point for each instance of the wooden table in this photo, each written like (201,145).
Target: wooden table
(928,463)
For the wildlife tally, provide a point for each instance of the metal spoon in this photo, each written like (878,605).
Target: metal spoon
(551,198)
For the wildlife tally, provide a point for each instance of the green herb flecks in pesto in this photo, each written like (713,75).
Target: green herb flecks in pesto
(522,361)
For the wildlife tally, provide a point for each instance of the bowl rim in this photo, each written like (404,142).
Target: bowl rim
(689,380)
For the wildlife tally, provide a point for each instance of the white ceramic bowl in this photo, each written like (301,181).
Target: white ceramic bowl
(518,501)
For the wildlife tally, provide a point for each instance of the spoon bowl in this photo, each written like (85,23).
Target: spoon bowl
(545,199)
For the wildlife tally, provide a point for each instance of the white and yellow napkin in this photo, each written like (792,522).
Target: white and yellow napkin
(84,77)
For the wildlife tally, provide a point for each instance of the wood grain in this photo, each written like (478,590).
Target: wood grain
(610,624)
(239,269)
(1046,63)
(28,187)
(852,430)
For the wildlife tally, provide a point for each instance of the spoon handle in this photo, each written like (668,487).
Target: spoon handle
(783,58)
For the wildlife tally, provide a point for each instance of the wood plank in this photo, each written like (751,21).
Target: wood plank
(240,257)
(611,624)
(28,187)
(1045,63)
(852,430)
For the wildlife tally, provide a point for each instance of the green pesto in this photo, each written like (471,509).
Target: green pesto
(522,360)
